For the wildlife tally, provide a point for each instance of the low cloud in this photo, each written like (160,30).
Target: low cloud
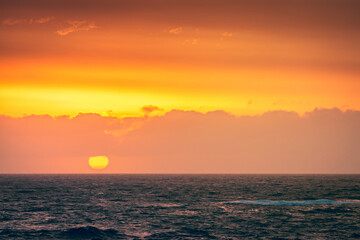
(76,26)
(149,109)
(321,141)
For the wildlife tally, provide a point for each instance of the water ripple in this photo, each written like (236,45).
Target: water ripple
(293,203)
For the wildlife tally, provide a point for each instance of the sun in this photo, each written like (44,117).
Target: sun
(98,162)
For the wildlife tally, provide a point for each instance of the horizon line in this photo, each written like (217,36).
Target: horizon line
(180,173)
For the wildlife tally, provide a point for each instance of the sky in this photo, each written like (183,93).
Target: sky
(180,86)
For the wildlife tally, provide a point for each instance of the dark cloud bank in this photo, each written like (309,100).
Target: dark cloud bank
(321,141)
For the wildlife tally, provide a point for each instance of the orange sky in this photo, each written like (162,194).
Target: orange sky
(113,57)
(245,57)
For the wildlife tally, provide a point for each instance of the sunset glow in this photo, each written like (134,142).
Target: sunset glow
(130,64)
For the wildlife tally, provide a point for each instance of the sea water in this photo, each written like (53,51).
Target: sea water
(179,206)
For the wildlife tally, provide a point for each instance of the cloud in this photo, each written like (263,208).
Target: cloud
(227,34)
(76,26)
(44,20)
(175,31)
(191,42)
(321,141)
(12,22)
(65,31)
(149,109)
(72,25)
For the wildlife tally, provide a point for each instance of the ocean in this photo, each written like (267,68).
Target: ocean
(179,206)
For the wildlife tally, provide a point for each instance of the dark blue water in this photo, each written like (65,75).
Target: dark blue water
(180,207)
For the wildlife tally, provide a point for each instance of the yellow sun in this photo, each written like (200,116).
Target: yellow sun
(98,162)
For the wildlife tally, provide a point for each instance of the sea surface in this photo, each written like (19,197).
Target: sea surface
(179,206)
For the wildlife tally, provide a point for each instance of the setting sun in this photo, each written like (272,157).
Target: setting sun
(98,162)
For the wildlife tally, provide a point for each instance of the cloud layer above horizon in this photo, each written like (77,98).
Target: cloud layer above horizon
(321,141)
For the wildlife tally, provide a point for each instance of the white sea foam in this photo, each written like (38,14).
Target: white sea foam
(293,203)
(162,205)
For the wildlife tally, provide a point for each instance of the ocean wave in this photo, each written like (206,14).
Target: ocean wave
(89,231)
(183,233)
(26,234)
(293,203)
(161,205)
